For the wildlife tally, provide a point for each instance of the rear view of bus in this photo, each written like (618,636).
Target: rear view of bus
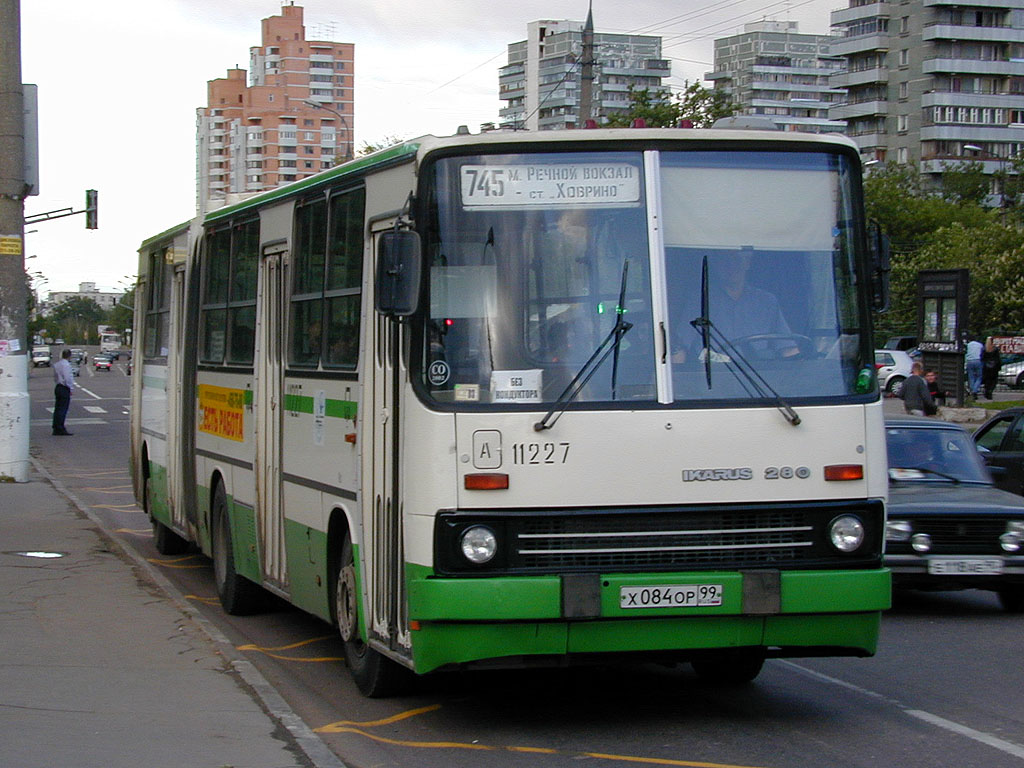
(642,391)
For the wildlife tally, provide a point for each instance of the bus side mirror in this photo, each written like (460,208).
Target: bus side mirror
(879,247)
(398,273)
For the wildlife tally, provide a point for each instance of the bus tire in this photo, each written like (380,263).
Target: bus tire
(166,541)
(238,596)
(375,675)
(730,667)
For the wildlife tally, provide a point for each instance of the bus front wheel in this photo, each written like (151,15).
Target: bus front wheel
(375,675)
(238,596)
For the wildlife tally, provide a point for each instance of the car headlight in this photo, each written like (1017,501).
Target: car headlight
(1014,536)
(898,530)
(921,542)
(846,533)
(479,544)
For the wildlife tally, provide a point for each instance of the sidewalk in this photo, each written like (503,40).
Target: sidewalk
(100,667)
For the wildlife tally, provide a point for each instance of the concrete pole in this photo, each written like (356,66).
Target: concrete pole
(14,354)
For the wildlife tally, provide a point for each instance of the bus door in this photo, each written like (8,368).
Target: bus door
(175,402)
(269,384)
(384,551)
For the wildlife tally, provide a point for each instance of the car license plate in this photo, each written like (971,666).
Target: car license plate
(671,596)
(965,566)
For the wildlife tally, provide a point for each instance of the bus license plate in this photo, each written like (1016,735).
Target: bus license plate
(966,566)
(671,596)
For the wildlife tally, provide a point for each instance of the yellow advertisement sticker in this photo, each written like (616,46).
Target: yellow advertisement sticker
(221,412)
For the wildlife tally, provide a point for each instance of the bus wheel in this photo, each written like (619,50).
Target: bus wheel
(733,667)
(375,675)
(166,541)
(238,595)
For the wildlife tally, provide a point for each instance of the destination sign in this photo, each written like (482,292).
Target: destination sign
(550,185)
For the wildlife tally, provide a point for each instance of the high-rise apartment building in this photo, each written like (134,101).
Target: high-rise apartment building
(292,119)
(547,79)
(931,82)
(771,69)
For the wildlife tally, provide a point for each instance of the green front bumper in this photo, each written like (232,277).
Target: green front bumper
(464,620)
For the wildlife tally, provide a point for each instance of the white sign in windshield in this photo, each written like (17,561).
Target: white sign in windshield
(549,185)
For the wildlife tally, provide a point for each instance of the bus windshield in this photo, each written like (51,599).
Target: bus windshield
(708,271)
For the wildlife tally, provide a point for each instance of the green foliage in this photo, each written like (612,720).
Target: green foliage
(949,228)
(121,315)
(965,182)
(661,109)
(75,320)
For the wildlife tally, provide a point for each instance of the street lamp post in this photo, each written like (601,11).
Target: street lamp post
(344,123)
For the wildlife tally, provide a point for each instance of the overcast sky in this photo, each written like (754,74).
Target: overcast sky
(120,80)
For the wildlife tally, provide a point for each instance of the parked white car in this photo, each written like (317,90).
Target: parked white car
(893,368)
(1012,374)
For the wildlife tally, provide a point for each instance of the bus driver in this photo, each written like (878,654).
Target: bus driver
(736,309)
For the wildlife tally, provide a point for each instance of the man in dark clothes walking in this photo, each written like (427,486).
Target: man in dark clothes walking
(917,400)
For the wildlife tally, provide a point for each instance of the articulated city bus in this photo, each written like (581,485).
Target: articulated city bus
(524,399)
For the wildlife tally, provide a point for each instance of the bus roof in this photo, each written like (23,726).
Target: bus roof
(416,149)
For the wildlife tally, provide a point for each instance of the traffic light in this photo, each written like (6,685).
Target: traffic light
(91,200)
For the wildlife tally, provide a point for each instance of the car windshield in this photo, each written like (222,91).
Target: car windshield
(933,455)
(535,261)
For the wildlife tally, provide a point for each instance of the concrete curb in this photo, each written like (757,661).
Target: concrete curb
(312,746)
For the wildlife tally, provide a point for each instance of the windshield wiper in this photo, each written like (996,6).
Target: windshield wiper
(739,364)
(579,381)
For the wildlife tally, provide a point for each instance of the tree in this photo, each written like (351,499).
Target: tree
(661,109)
(384,143)
(965,182)
(121,315)
(76,319)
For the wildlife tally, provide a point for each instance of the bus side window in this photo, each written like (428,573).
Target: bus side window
(306,321)
(343,288)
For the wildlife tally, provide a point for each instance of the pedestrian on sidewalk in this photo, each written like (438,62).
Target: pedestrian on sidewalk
(62,391)
(917,400)
(973,360)
(991,362)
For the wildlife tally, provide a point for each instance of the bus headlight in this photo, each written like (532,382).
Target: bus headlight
(479,544)
(846,533)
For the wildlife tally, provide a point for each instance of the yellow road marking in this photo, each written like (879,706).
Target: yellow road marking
(349,726)
(204,600)
(386,721)
(175,563)
(110,489)
(133,531)
(270,651)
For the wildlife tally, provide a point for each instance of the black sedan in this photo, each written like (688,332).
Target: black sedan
(948,527)
(1002,445)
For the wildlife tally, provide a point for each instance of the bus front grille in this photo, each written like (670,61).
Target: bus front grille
(644,539)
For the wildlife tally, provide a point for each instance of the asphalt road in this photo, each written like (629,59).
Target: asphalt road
(944,689)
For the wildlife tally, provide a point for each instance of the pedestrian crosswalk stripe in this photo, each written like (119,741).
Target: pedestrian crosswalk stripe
(94,409)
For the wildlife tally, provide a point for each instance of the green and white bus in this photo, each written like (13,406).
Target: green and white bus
(531,399)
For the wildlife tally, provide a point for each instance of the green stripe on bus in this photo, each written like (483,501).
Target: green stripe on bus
(334,409)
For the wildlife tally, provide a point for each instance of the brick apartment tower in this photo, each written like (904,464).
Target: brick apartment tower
(260,135)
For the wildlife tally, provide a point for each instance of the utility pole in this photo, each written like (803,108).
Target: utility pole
(587,72)
(14,400)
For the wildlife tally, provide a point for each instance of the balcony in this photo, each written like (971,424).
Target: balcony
(850,79)
(844,16)
(853,110)
(846,46)
(972,99)
(934,32)
(1008,5)
(973,67)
